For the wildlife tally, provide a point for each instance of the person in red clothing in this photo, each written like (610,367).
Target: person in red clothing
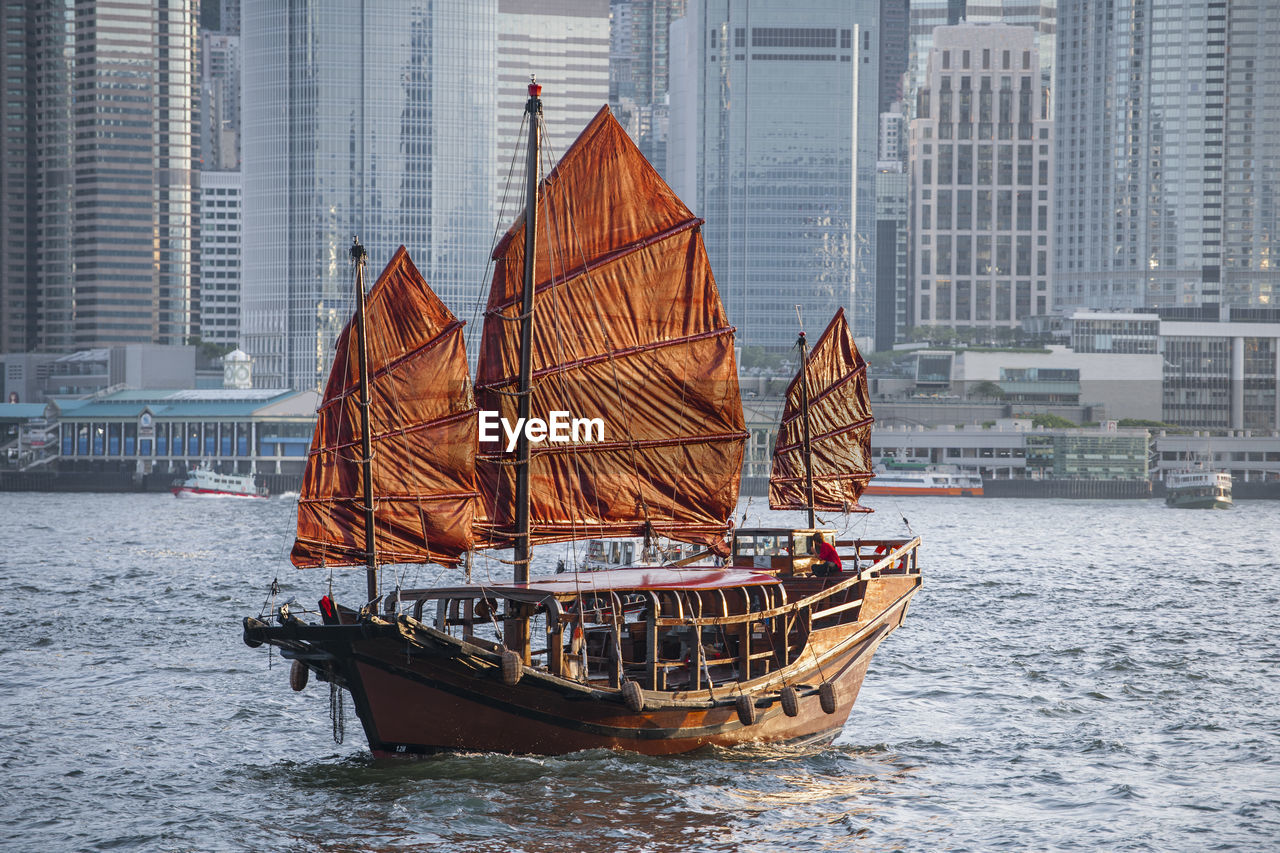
(828,560)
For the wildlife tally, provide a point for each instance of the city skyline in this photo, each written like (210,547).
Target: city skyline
(1187,165)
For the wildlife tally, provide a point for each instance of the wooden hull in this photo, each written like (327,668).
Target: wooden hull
(419,691)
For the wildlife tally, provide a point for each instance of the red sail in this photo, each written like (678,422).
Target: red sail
(839,428)
(423,428)
(628,329)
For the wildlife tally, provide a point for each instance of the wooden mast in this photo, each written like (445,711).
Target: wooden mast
(358,257)
(516,627)
(803,345)
(524,391)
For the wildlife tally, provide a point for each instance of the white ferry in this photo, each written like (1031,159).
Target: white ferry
(203,482)
(923,480)
(1198,489)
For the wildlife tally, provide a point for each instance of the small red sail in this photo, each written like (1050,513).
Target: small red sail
(629,330)
(839,428)
(423,429)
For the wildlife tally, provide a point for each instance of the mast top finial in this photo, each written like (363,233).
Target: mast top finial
(358,254)
(535,88)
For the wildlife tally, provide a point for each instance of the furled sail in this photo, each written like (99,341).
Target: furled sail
(423,429)
(629,330)
(839,428)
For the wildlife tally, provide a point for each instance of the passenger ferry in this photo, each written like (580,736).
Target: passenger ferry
(1198,489)
(908,479)
(204,482)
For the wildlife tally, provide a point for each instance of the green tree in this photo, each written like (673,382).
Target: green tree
(1049,421)
(987,388)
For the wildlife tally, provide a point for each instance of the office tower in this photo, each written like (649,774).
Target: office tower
(17,178)
(220,269)
(895,51)
(1166,171)
(229,17)
(773,142)
(639,71)
(114,181)
(564,43)
(926,15)
(893,197)
(382,127)
(981,151)
(220,101)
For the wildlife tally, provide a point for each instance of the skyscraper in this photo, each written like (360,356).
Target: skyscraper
(17,178)
(893,202)
(1168,154)
(926,15)
(382,127)
(895,51)
(981,151)
(773,141)
(220,268)
(219,101)
(112,208)
(564,43)
(639,71)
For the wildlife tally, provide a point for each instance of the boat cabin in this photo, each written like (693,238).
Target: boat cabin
(777,550)
(625,553)
(667,629)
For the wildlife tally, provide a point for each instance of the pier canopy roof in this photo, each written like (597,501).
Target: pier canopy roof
(206,404)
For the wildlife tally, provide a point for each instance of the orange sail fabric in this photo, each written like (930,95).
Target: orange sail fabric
(423,428)
(839,428)
(628,329)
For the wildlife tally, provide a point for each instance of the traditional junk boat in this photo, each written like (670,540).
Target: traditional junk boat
(1198,489)
(751,645)
(921,479)
(204,482)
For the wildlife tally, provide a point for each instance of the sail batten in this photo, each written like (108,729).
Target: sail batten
(628,329)
(609,257)
(423,433)
(599,357)
(835,433)
(840,422)
(397,364)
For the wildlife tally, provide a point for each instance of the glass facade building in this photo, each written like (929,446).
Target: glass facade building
(111,172)
(17,178)
(220,237)
(566,44)
(382,127)
(773,141)
(1170,139)
(639,71)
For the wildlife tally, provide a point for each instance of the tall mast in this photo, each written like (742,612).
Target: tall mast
(521,557)
(358,256)
(803,345)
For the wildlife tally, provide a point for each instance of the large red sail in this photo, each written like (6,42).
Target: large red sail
(628,329)
(839,428)
(423,429)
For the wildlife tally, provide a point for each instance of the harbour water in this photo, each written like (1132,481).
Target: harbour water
(1074,675)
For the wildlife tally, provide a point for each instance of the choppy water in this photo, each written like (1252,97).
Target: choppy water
(1074,675)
